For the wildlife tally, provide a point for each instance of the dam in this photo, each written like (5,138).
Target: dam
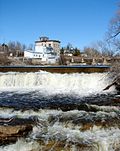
(57,69)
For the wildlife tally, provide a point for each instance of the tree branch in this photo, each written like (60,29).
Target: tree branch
(114,35)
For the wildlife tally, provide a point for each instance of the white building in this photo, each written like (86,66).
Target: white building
(44,53)
(45,41)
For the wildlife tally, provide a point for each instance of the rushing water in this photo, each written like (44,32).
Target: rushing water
(72,111)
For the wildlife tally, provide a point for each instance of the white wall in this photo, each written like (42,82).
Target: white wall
(40,49)
(28,54)
(41,53)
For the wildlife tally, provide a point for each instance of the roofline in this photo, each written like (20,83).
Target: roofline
(33,52)
(37,41)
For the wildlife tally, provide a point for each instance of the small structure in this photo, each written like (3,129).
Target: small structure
(93,61)
(68,52)
(83,61)
(105,61)
(44,52)
(72,60)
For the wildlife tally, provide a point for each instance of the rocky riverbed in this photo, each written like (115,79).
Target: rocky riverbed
(53,112)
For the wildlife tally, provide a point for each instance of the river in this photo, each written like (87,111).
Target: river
(73,112)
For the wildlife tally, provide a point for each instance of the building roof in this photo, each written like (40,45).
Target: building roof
(45,39)
(38,41)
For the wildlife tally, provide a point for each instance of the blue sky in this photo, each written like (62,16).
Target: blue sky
(79,22)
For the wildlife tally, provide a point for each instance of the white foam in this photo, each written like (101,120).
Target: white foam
(21,145)
(43,114)
(82,84)
(103,139)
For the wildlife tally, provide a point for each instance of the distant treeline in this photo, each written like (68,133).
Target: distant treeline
(14,48)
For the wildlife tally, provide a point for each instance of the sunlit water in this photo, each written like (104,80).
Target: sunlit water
(70,108)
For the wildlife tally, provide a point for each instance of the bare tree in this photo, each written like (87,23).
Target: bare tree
(113,38)
(114,26)
(104,47)
(16,48)
(113,34)
(30,46)
(91,52)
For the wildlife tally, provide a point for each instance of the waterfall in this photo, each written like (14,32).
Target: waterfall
(76,83)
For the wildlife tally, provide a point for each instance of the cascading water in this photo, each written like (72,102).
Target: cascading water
(80,84)
(72,111)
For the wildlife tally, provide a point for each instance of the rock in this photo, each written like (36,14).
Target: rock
(64,146)
(9,134)
(14,128)
(116,83)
